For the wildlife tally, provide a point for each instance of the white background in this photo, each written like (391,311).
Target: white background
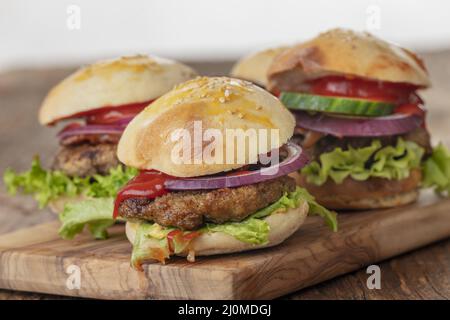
(35,33)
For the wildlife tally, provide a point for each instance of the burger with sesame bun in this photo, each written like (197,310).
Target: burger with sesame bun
(254,66)
(95,103)
(360,119)
(218,194)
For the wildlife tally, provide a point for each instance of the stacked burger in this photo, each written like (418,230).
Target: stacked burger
(211,197)
(97,102)
(360,118)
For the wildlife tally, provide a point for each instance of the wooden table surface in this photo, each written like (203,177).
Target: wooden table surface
(421,274)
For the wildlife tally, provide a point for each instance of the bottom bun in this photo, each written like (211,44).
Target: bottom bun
(282,225)
(57,206)
(374,193)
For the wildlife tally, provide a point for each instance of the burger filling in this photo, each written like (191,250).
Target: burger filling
(190,210)
(362,159)
(90,148)
(86,165)
(166,225)
(169,212)
(253,229)
(362,130)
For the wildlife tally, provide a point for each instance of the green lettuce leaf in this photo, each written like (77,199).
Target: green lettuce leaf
(48,185)
(251,230)
(94,213)
(330,217)
(436,170)
(390,162)
(254,230)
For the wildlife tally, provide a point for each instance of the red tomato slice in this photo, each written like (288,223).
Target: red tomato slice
(109,114)
(410,109)
(398,93)
(113,115)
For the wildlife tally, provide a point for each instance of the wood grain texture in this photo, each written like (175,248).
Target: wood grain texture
(35,259)
(422,274)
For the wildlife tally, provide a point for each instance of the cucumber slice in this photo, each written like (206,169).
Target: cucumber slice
(350,106)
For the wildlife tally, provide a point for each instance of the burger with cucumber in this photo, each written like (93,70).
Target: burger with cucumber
(96,103)
(211,196)
(360,119)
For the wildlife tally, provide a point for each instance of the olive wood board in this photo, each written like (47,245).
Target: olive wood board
(36,259)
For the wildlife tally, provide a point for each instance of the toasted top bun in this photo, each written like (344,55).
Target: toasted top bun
(345,52)
(254,66)
(167,135)
(282,226)
(113,82)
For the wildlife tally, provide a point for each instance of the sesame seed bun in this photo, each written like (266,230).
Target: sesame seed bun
(254,66)
(217,103)
(113,82)
(345,52)
(282,226)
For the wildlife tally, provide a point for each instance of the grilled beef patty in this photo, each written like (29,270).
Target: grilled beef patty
(84,160)
(189,210)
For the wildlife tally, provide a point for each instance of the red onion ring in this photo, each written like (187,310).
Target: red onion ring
(358,126)
(295,160)
(91,129)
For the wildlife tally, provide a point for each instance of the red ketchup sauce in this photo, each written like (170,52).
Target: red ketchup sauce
(147,184)
(178,235)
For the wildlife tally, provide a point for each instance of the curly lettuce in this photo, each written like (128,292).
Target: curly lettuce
(390,162)
(253,230)
(95,213)
(436,170)
(48,185)
(330,217)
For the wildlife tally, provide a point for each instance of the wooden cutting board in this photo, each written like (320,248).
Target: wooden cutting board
(35,259)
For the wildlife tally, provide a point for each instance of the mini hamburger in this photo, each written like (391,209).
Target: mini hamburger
(360,119)
(96,103)
(254,66)
(232,202)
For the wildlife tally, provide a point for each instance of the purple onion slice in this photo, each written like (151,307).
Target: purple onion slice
(90,129)
(295,160)
(342,126)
